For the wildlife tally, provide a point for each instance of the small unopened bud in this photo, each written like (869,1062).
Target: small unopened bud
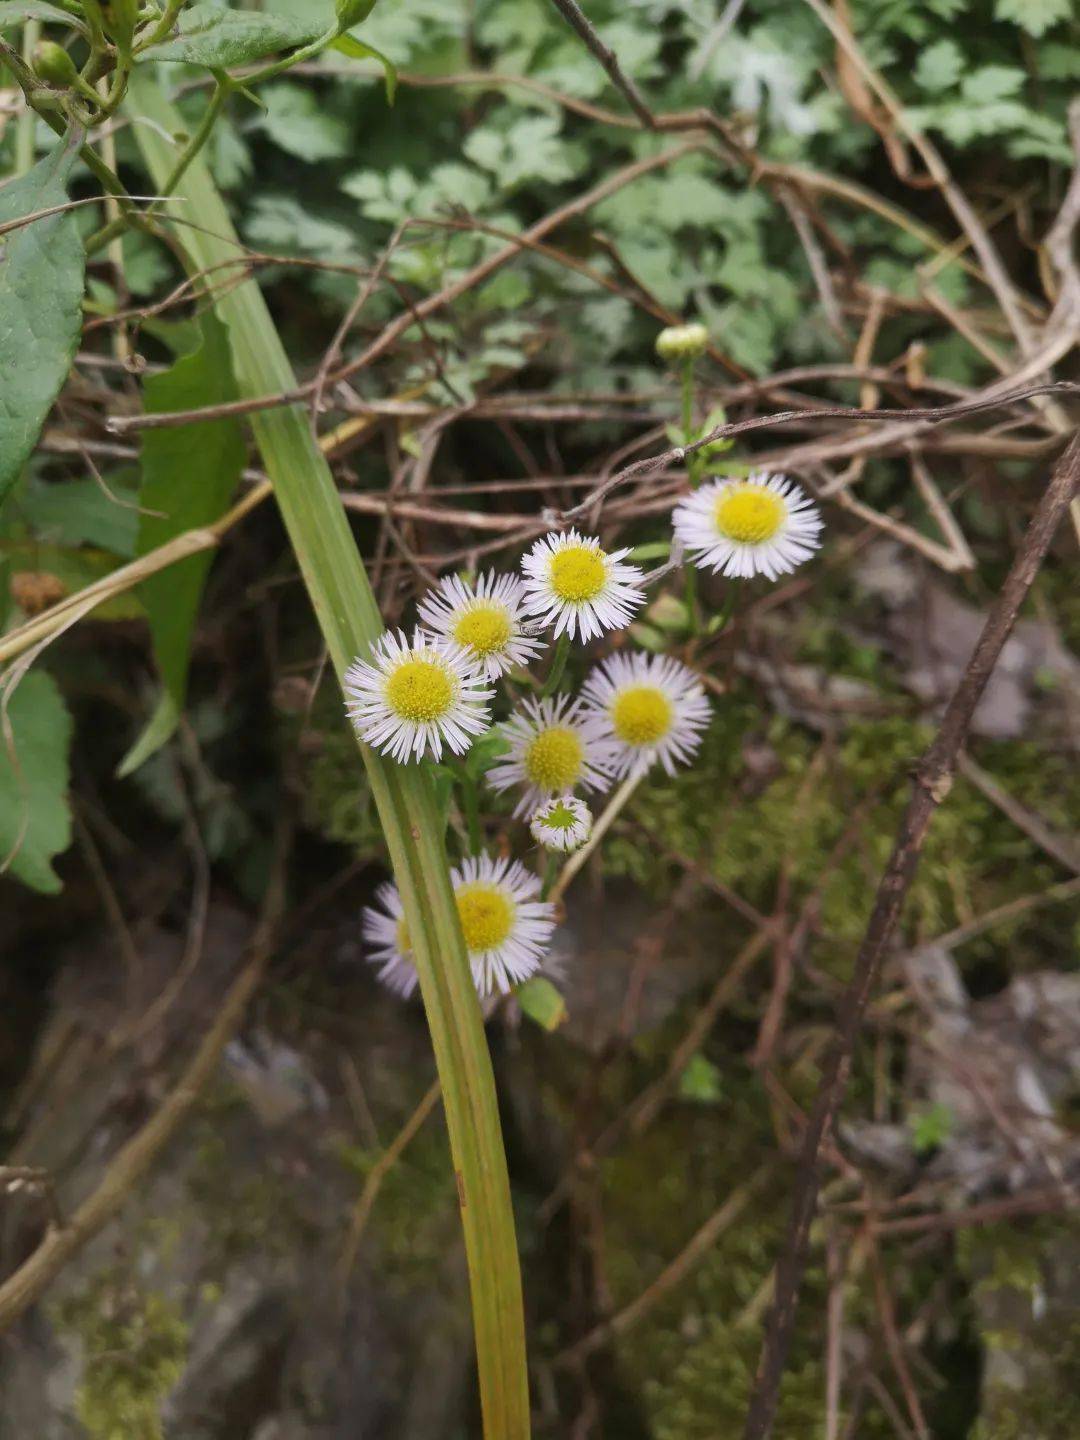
(682,342)
(53,63)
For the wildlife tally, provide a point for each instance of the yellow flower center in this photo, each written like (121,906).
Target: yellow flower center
(553,759)
(484,629)
(641,715)
(559,817)
(486,916)
(404,945)
(749,514)
(419,690)
(578,573)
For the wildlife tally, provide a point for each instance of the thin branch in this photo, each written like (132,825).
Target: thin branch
(672,1275)
(575,17)
(990,400)
(932,782)
(378,1173)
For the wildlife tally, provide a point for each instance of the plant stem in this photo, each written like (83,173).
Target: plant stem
(558,666)
(469,793)
(348,614)
(728,609)
(26,124)
(693,608)
(551,873)
(688,433)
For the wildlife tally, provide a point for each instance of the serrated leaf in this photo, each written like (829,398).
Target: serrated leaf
(1034,16)
(541,1002)
(298,121)
(189,474)
(361,50)
(35,819)
(42,279)
(991,83)
(939,67)
(211,36)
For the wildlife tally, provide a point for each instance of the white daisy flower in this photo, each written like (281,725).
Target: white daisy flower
(561,823)
(486,620)
(507,927)
(651,709)
(571,581)
(383,927)
(763,525)
(415,695)
(555,746)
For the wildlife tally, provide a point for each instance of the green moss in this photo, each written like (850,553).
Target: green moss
(698,1348)
(335,795)
(975,858)
(1011,1266)
(135,1347)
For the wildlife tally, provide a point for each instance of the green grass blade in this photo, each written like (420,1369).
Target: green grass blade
(348,614)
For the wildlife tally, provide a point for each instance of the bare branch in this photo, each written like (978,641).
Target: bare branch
(932,782)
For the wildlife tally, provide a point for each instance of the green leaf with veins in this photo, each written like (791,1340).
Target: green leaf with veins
(14,12)
(42,278)
(189,475)
(35,818)
(211,36)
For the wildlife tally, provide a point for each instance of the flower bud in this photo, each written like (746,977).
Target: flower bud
(53,64)
(681,342)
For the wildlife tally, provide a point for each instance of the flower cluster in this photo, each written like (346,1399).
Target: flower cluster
(411,698)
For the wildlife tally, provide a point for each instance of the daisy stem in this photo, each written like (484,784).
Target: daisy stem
(693,609)
(688,401)
(551,872)
(558,666)
(728,608)
(470,809)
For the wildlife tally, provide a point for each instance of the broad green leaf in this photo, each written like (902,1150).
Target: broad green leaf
(35,819)
(188,476)
(14,12)
(540,1000)
(222,38)
(360,50)
(82,512)
(42,271)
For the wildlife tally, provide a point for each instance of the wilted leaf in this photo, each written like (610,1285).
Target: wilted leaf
(189,474)
(220,38)
(42,269)
(35,820)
